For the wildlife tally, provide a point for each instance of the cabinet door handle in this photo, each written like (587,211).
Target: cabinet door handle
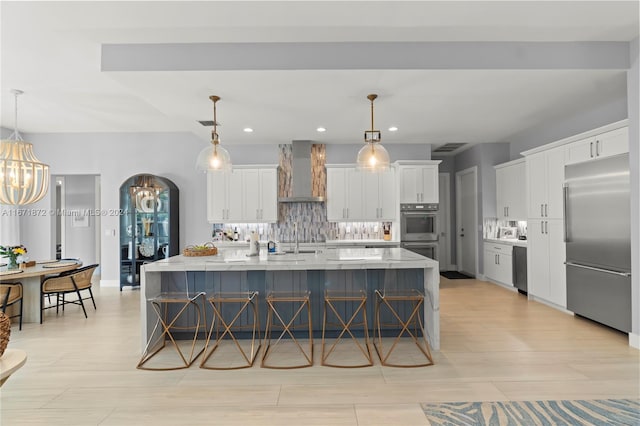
(541,210)
(498,257)
(591,149)
(546,227)
(542,226)
(347,211)
(597,148)
(546,210)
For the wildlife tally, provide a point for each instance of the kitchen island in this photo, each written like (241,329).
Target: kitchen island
(384,267)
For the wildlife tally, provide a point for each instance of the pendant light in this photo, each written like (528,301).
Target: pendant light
(23,178)
(372,156)
(214,157)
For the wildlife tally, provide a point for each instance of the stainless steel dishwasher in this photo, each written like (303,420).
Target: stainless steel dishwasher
(520,268)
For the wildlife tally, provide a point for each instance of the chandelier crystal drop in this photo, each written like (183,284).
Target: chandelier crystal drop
(372,156)
(23,178)
(214,157)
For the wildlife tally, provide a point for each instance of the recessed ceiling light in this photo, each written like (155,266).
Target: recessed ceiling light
(248,130)
(393,129)
(321,129)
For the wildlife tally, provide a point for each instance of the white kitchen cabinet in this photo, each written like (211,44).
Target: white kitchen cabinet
(243,195)
(511,189)
(604,145)
(498,263)
(419,183)
(344,194)
(379,190)
(546,276)
(260,189)
(224,196)
(545,177)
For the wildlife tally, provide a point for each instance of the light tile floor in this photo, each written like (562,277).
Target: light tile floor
(496,345)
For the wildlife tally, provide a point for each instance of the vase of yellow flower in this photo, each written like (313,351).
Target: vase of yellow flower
(12,253)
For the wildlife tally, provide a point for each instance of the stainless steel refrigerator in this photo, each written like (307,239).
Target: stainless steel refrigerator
(597,235)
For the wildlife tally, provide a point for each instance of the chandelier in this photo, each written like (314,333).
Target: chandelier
(214,157)
(372,156)
(23,178)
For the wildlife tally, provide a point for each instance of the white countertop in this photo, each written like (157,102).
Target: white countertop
(329,243)
(507,241)
(329,259)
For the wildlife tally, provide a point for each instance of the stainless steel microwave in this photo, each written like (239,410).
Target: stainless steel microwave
(418,222)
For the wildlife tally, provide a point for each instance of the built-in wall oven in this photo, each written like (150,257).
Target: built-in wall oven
(419,229)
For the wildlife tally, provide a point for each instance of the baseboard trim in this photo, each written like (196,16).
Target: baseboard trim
(550,304)
(109,283)
(634,340)
(498,283)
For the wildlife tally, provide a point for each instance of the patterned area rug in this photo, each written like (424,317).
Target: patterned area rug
(552,413)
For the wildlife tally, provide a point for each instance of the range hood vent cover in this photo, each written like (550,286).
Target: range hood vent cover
(301,175)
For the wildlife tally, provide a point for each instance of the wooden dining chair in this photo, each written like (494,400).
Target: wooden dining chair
(73,281)
(10,294)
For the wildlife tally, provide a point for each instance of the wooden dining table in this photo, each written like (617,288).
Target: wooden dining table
(31,279)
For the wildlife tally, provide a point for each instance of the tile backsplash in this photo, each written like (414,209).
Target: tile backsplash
(491,227)
(311,219)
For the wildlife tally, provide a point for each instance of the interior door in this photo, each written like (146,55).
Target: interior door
(466,214)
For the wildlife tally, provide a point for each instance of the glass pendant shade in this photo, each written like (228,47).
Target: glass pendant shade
(23,178)
(373,156)
(213,158)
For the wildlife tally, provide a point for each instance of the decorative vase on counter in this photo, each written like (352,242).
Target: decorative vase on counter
(13,263)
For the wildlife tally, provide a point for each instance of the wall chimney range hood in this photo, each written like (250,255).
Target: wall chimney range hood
(301,175)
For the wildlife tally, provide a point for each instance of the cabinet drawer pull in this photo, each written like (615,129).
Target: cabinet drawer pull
(591,149)
(597,148)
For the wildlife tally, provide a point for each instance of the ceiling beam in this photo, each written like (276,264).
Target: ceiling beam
(365,55)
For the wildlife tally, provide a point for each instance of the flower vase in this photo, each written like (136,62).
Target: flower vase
(13,263)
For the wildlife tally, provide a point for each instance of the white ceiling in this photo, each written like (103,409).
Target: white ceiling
(52,51)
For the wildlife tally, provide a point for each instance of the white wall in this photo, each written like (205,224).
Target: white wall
(115,157)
